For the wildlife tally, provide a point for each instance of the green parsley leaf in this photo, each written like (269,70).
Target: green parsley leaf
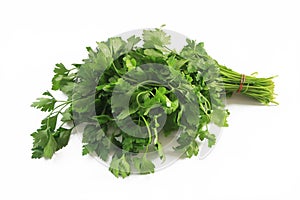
(119,166)
(155,38)
(143,165)
(67,115)
(62,136)
(44,104)
(50,148)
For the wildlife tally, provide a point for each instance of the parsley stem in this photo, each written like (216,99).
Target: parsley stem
(149,134)
(63,105)
(137,98)
(155,130)
(261,89)
(115,68)
(72,68)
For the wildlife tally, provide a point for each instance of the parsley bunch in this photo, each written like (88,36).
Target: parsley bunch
(129,95)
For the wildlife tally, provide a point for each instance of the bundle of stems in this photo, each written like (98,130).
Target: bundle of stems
(261,89)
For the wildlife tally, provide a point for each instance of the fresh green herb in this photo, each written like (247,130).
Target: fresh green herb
(130,93)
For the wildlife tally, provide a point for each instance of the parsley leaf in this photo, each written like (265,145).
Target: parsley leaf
(50,148)
(155,39)
(143,165)
(45,103)
(119,166)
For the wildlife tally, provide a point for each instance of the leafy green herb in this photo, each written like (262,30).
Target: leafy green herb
(129,94)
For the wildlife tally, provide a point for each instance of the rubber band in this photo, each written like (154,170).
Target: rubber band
(243,79)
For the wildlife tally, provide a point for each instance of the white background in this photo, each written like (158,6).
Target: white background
(258,155)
